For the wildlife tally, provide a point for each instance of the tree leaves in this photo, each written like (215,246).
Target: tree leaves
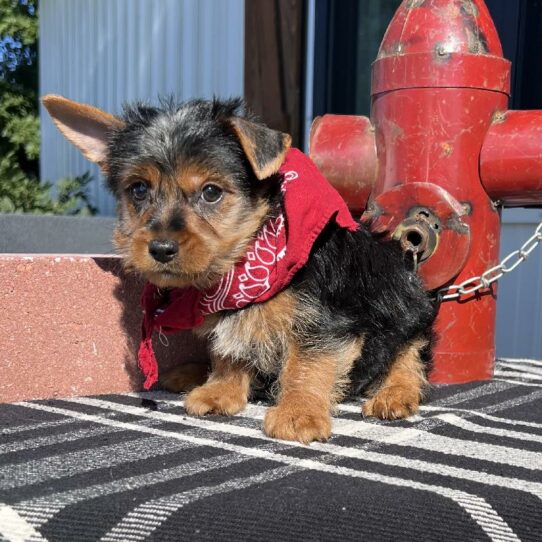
(20,187)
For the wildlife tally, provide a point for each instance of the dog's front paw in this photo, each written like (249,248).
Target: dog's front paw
(288,422)
(215,397)
(393,403)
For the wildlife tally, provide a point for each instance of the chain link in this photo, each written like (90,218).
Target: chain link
(484,281)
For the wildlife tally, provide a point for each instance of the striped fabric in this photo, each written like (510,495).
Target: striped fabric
(135,467)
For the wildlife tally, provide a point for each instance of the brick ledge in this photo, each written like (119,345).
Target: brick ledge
(70,325)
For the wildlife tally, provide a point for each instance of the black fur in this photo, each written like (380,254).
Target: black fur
(166,136)
(364,285)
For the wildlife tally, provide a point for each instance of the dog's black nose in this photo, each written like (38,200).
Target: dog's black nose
(163,250)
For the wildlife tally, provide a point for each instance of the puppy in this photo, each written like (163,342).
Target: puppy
(242,240)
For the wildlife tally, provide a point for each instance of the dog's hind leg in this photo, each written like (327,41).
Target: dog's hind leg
(399,394)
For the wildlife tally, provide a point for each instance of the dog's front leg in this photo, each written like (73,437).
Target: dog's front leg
(303,411)
(225,392)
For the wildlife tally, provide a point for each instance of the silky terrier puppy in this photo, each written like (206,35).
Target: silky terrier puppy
(243,241)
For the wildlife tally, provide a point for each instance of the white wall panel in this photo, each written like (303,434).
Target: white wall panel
(107,52)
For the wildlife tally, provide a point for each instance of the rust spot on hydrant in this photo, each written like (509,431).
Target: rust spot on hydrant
(498,117)
(470,8)
(447,149)
(477,43)
(411,4)
(467,207)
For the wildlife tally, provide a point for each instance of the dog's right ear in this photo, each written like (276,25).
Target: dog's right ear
(264,148)
(85,126)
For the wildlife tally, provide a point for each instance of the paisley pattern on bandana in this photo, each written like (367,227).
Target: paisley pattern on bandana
(251,278)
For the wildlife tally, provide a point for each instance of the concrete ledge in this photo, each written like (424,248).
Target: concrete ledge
(46,234)
(70,325)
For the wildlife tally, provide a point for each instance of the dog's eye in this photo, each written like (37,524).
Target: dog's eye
(211,193)
(139,191)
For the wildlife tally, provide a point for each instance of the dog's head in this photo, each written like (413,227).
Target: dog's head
(193,181)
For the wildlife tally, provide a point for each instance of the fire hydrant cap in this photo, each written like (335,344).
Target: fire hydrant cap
(441,43)
(457,26)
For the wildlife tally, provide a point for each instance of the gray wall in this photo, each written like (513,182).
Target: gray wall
(107,52)
(519,306)
(38,234)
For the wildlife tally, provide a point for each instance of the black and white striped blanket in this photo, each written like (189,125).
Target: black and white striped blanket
(135,467)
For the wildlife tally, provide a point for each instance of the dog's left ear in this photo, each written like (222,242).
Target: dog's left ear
(85,126)
(264,148)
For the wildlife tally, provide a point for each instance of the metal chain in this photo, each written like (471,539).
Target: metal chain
(492,275)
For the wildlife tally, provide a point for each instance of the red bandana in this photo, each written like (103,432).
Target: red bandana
(279,250)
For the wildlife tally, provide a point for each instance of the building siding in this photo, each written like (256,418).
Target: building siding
(519,305)
(107,52)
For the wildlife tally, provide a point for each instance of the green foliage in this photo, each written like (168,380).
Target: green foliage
(19,43)
(20,188)
(23,195)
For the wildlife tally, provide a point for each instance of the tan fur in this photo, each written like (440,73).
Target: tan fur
(262,336)
(226,391)
(208,248)
(311,383)
(208,245)
(193,176)
(303,411)
(257,335)
(274,165)
(148,173)
(84,125)
(244,131)
(400,393)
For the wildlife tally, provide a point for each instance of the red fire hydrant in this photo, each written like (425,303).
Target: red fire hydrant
(437,159)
